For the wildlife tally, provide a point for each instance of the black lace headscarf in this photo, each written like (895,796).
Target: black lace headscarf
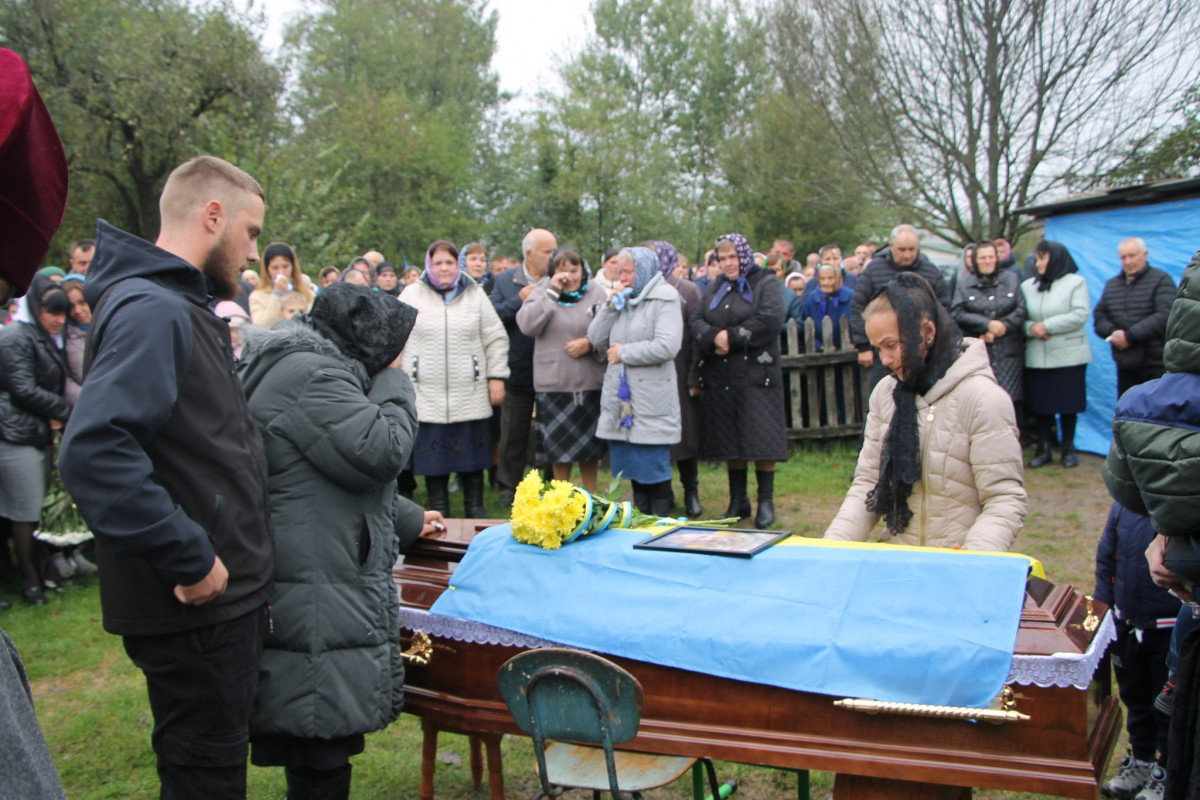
(914,302)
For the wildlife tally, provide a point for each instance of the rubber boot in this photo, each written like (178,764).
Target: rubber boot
(764,515)
(332,785)
(473,495)
(689,476)
(439,498)
(739,503)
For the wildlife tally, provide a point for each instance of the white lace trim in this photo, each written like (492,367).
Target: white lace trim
(1060,669)
(1064,669)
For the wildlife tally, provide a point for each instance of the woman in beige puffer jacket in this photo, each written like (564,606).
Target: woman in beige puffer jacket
(970,491)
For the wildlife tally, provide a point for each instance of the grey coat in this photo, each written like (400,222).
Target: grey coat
(335,440)
(650,335)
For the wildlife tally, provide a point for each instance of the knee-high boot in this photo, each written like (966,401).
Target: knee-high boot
(764,516)
(739,502)
(439,497)
(472,483)
(661,499)
(689,476)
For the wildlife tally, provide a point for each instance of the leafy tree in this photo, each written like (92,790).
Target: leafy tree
(1175,154)
(136,87)
(963,111)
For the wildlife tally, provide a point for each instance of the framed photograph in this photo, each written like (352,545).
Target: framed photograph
(737,542)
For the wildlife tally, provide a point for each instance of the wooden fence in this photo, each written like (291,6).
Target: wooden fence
(813,378)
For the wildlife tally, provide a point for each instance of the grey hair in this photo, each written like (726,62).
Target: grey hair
(902,228)
(528,242)
(1135,240)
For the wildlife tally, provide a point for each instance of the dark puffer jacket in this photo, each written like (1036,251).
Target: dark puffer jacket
(876,275)
(335,438)
(1140,308)
(1123,577)
(980,299)
(1153,466)
(33,372)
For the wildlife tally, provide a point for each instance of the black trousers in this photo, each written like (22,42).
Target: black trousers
(1141,669)
(201,686)
(1128,378)
(516,430)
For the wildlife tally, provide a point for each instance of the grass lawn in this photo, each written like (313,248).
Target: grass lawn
(92,703)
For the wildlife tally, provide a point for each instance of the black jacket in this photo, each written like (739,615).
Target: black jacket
(161,455)
(1123,576)
(33,371)
(1140,308)
(878,273)
(977,301)
(506,298)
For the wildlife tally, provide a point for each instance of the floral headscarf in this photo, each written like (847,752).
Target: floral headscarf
(428,275)
(745,264)
(668,257)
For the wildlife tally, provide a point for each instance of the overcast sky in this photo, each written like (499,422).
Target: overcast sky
(529,35)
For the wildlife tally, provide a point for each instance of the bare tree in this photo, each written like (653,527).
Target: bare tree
(962,110)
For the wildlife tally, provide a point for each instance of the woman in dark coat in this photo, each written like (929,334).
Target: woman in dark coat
(736,333)
(33,371)
(687,376)
(989,305)
(337,426)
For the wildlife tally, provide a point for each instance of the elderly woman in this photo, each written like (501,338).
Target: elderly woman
(640,330)
(941,459)
(1056,349)
(687,378)
(567,375)
(736,333)
(337,427)
(280,274)
(989,305)
(457,358)
(33,370)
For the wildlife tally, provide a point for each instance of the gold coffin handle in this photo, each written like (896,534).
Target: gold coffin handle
(421,650)
(993,715)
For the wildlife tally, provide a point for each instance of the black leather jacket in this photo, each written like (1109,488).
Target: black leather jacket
(32,374)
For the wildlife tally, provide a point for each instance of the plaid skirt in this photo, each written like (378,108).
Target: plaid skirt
(566,427)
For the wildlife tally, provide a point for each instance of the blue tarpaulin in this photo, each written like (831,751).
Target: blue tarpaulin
(864,622)
(1172,234)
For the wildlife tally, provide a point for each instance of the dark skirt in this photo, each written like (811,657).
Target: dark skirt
(566,427)
(457,447)
(1056,391)
(743,424)
(644,463)
(289,751)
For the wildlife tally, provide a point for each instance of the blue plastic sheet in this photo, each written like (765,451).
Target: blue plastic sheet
(918,627)
(1172,234)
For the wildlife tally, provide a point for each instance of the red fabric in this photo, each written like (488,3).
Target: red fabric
(33,174)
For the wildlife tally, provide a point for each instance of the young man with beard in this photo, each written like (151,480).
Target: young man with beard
(168,470)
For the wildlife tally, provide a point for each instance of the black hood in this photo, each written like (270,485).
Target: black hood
(369,327)
(36,291)
(120,255)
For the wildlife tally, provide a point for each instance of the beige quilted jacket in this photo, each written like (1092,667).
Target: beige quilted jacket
(972,492)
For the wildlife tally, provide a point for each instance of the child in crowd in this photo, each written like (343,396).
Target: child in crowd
(292,303)
(238,319)
(1145,616)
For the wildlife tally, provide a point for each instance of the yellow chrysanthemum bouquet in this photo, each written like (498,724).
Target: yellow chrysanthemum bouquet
(552,513)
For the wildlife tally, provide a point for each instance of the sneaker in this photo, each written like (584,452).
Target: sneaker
(1154,789)
(1166,699)
(1131,776)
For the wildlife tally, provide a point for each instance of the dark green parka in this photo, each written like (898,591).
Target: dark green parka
(1153,466)
(337,431)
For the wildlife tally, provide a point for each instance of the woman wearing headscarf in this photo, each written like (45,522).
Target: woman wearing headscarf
(33,370)
(687,380)
(457,358)
(337,427)
(989,304)
(640,331)
(735,331)
(941,459)
(1056,349)
(567,374)
(475,262)
(280,274)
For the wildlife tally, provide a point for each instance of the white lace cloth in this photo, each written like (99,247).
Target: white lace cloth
(1060,669)
(1064,669)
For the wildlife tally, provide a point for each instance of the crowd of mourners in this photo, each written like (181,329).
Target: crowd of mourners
(366,382)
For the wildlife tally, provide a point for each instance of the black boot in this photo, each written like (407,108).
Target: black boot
(641,497)
(1044,454)
(764,516)
(689,476)
(1047,430)
(661,499)
(472,483)
(1069,459)
(333,784)
(439,498)
(739,503)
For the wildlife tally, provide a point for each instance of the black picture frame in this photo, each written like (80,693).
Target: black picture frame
(740,542)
